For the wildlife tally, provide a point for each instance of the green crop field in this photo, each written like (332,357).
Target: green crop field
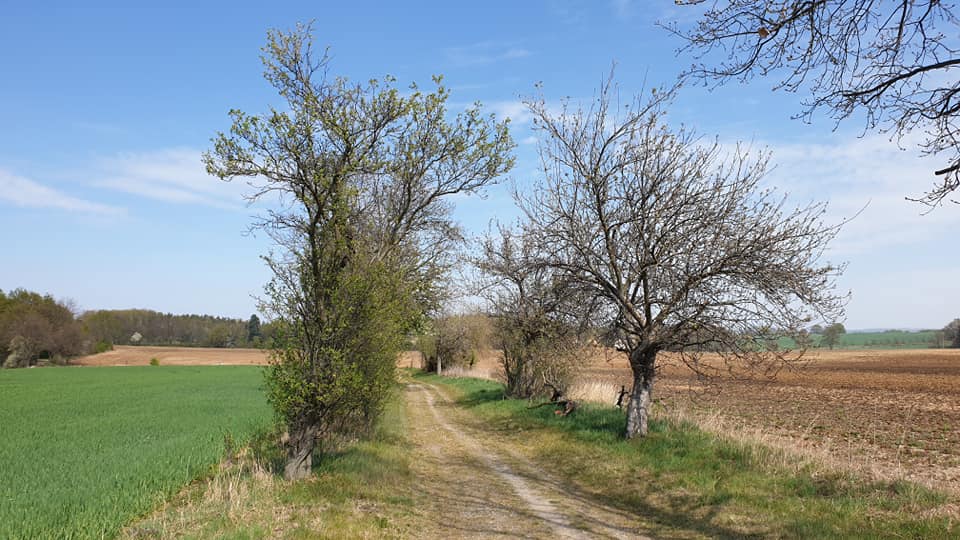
(85,450)
(890,339)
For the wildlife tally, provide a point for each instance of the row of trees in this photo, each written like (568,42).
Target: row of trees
(109,327)
(646,237)
(35,328)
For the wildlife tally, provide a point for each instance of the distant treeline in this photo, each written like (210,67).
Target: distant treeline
(37,328)
(146,327)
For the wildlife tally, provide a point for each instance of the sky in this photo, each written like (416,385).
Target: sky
(107,108)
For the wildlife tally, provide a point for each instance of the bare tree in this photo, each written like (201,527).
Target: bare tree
(895,63)
(540,314)
(678,239)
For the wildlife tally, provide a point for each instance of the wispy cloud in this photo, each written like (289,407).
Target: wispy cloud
(515,110)
(27,193)
(869,178)
(486,52)
(568,13)
(171,175)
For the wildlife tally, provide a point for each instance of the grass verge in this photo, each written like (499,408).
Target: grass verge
(696,484)
(360,491)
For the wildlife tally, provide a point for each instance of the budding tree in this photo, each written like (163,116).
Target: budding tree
(892,63)
(677,239)
(358,179)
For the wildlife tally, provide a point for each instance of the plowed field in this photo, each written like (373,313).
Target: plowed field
(174,356)
(891,412)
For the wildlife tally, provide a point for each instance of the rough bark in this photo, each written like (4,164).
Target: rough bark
(638,409)
(303,439)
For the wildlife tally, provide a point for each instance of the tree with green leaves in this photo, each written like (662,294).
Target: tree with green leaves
(361,177)
(831,335)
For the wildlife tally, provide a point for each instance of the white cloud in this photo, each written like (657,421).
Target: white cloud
(486,52)
(27,193)
(516,111)
(870,175)
(172,175)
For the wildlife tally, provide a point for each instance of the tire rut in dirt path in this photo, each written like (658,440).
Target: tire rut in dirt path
(474,489)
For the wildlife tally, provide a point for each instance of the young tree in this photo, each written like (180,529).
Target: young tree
(362,174)
(892,63)
(681,244)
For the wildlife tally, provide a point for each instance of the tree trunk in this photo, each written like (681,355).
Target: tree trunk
(638,409)
(303,439)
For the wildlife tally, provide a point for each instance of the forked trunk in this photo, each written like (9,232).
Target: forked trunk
(638,409)
(303,439)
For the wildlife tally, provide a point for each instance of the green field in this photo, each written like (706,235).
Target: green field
(83,451)
(890,339)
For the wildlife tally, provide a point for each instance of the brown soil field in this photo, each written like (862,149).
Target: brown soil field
(895,413)
(125,355)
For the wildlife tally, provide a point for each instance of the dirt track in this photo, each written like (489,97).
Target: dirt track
(474,487)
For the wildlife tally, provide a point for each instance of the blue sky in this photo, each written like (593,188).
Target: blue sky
(106,108)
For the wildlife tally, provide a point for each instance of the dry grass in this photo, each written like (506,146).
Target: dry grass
(360,491)
(475,372)
(594,391)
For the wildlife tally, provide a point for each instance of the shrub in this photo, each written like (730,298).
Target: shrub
(154,362)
